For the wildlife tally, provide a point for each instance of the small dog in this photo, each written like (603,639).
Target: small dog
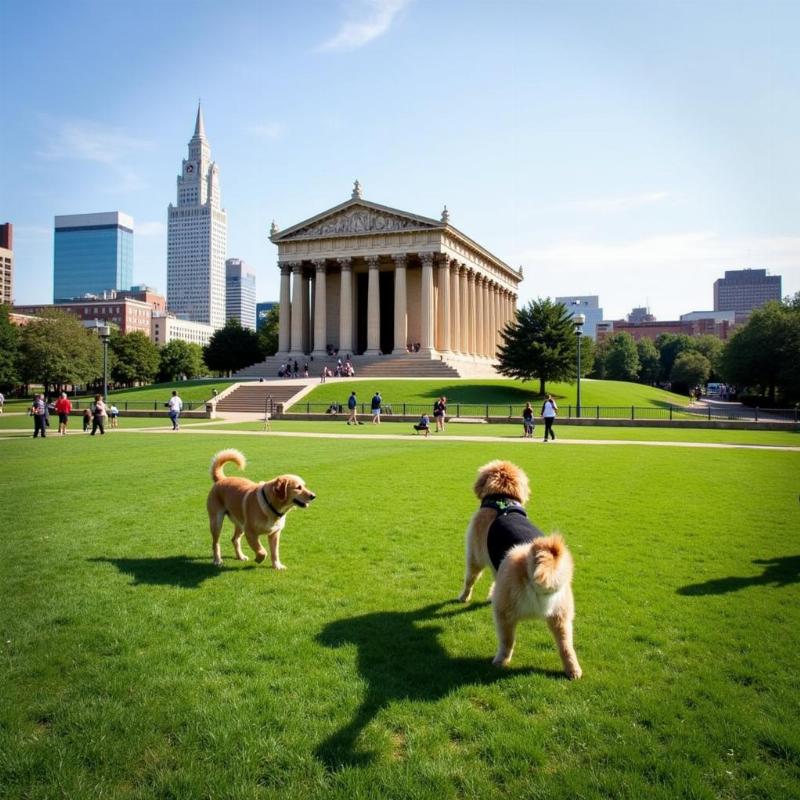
(533,572)
(254,508)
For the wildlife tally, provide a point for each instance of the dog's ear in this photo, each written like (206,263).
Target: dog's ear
(281,489)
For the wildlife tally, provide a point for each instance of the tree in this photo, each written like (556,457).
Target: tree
(539,343)
(9,350)
(764,355)
(136,358)
(691,368)
(232,347)
(268,333)
(57,350)
(179,359)
(711,347)
(649,362)
(622,358)
(670,345)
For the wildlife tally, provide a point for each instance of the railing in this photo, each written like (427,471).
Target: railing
(513,413)
(141,405)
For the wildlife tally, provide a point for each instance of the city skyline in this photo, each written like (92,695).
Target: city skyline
(628,150)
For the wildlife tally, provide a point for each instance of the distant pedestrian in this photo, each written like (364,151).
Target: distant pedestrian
(439,410)
(375,408)
(87,419)
(99,415)
(63,409)
(424,425)
(352,404)
(38,411)
(175,406)
(113,415)
(549,412)
(2,402)
(527,422)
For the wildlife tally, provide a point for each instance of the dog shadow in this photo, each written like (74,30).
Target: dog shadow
(400,659)
(778,572)
(182,571)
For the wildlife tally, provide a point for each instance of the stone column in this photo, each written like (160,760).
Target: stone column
(455,308)
(426,304)
(443,317)
(400,304)
(498,296)
(320,309)
(296,346)
(480,322)
(308,308)
(472,313)
(346,307)
(464,289)
(373,308)
(492,320)
(285,312)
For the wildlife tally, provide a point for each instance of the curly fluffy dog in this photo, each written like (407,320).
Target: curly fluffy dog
(254,508)
(533,572)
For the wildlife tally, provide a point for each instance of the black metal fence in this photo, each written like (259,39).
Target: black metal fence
(141,405)
(513,413)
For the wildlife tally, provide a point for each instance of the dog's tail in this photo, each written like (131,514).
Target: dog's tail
(222,458)
(551,563)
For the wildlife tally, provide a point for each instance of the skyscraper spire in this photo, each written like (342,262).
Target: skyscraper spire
(199,126)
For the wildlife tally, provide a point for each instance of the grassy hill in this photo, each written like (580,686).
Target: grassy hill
(189,391)
(493,392)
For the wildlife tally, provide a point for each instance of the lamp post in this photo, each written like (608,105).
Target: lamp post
(104,332)
(578,321)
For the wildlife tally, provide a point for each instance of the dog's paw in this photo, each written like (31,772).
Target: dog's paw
(575,673)
(260,557)
(501,661)
(217,562)
(278,565)
(465,597)
(242,557)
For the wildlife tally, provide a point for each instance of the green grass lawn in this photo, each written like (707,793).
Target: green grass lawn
(132,668)
(492,392)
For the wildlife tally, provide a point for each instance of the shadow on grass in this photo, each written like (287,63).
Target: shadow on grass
(400,659)
(182,571)
(777,572)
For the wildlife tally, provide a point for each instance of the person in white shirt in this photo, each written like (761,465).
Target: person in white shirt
(549,411)
(175,406)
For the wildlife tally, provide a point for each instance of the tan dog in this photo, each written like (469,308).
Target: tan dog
(533,572)
(254,508)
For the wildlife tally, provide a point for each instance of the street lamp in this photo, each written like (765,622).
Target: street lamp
(104,332)
(578,321)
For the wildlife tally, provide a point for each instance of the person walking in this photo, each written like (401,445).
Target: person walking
(38,411)
(113,412)
(99,415)
(375,407)
(352,404)
(87,419)
(439,410)
(63,409)
(549,412)
(527,422)
(175,406)
(2,402)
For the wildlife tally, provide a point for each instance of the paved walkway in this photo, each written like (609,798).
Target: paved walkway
(211,427)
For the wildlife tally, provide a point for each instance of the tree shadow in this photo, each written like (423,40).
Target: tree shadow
(778,572)
(400,659)
(182,571)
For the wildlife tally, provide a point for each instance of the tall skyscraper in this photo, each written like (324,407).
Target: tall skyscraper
(6,263)
(589,306)
(240,293)
(197,237)
(92,253)
(745,289)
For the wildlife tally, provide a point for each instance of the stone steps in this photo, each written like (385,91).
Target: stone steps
(253,397)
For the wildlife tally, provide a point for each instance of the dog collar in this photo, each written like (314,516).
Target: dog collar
(503,505)
(269,505)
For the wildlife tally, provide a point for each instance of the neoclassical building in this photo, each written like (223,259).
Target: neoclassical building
(365,278)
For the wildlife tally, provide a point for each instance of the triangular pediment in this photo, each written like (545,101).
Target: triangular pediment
(355,218)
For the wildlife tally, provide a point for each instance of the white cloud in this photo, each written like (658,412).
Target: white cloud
(266,130)
(367,20)
(151,229)
(86,140)
(618,202)
(673,274)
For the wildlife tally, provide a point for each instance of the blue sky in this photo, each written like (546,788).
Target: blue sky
(629,149)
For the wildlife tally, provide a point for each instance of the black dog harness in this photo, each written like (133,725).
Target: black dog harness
(510,528)
(271,507)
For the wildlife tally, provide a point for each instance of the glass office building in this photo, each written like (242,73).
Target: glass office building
(93,253)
